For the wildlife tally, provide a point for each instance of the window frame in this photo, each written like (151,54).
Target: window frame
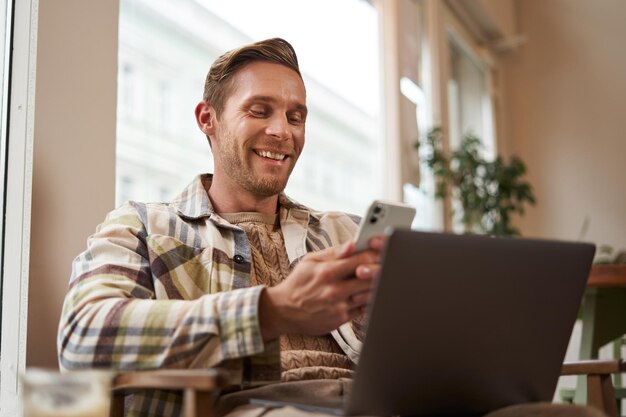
(18,185)
(469,44)
(441,23)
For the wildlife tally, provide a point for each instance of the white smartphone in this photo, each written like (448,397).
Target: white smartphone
(380,216)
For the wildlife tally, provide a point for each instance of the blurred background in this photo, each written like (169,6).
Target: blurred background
(113,86)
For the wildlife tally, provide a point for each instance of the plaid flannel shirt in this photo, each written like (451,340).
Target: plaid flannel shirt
(167,285)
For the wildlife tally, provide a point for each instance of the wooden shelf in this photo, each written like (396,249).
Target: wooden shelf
(607,276)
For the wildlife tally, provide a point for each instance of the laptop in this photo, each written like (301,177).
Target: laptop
(464,325)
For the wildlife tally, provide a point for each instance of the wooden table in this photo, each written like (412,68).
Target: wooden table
(603,314)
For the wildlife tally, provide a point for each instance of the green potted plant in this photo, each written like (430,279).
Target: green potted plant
(489,191)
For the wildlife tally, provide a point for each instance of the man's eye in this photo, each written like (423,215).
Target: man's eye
(296,119)
(258,112)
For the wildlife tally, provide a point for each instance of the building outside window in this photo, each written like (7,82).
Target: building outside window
(164,104)
(166,49)
(126,90)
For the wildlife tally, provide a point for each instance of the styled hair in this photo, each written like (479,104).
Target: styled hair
(219,79)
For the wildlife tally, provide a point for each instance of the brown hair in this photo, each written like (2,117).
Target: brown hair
(218,81)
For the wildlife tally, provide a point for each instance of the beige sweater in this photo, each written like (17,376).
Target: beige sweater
(302,357)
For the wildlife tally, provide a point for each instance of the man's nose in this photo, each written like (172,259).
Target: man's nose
(278,127)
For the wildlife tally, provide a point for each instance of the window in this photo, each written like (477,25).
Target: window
(125,189)
(164,104)
(469,102)
(453,91)
(17,64)
(170,47)
(127,90)
(469,97)
(416,106)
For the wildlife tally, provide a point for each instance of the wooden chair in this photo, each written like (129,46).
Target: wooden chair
(600,390)
(200,388)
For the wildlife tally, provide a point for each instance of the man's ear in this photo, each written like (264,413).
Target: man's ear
(206,118)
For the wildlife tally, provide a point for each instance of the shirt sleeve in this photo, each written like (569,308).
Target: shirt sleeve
(111,319)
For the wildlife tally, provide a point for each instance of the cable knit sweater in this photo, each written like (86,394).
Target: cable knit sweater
(302,357)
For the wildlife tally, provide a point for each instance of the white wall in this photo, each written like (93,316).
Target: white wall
(488,20)
(565,106)
(74,152)
(502,14)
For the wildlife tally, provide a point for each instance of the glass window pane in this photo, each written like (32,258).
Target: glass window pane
(469,108)
(166,49)
(469,99)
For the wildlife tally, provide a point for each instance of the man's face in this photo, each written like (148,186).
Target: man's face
(260,133)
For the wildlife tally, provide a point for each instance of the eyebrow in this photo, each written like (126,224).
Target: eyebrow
(269,99)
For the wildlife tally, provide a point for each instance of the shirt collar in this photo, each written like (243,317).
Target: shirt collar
(194,203)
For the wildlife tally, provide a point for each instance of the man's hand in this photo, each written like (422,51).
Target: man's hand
(325,290)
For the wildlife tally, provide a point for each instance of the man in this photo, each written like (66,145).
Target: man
(231,273)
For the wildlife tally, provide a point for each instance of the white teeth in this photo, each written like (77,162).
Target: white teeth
(271,155)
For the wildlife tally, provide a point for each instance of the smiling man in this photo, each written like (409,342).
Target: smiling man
(231,273)
(257,135)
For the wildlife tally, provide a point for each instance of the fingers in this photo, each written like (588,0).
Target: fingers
(347,249)
(346,268)
(377,243)
(357,311)
(360,299)
(327,265)
(353,291)
(368,271)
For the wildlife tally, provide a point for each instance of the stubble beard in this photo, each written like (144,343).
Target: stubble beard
(236,167)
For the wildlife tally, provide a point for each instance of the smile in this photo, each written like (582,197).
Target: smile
(271,155)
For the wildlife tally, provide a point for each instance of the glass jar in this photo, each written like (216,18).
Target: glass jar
(48,393)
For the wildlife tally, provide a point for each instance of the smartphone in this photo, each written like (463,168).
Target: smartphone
(380,216)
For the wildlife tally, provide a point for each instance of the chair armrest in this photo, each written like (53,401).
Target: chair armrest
(600,390)
(593,367)
(173,379)
(200,387)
